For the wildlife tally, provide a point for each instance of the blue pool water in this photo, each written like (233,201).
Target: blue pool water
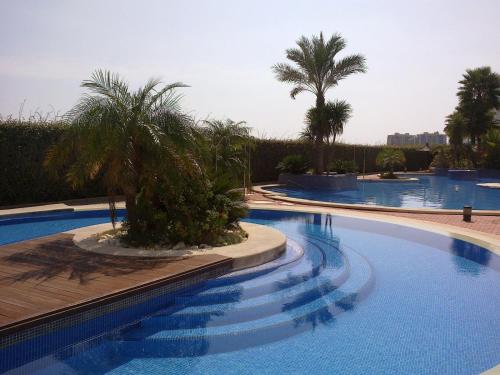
(365,297)
(428,192)
(13,229)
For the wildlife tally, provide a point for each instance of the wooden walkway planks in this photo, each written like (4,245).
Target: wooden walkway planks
(50,273)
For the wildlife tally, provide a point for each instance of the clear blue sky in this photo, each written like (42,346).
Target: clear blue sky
(416,52)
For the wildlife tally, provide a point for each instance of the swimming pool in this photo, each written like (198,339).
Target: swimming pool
(428,192)
(365,297)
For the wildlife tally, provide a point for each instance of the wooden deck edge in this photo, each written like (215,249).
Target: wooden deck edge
(89,304)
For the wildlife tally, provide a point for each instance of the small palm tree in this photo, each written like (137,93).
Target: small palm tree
(389,158)
(335,115)
(317,69)
(227,141)
(124,137)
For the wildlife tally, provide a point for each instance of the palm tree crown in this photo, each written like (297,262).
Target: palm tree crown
(479,96)
(316,65)
(120,134)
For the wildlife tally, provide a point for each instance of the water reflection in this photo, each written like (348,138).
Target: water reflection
(465,252)
(428,191)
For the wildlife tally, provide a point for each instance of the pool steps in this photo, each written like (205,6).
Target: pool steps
(200,329)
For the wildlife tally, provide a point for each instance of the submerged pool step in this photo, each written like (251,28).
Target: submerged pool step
(304,269)
(252,308)
(294,318)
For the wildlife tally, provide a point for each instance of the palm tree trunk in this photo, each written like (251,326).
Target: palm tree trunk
(131,206)
(320,154)
(319,141)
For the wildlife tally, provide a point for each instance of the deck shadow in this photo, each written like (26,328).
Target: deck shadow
(59,256)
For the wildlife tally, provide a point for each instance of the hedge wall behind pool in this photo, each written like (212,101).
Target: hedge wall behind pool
(268,153)
(23,146)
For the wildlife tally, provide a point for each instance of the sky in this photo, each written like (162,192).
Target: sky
(416,53)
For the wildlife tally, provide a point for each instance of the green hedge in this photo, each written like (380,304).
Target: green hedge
(268,153)
(23,146)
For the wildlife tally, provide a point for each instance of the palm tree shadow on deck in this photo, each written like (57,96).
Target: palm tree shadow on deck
(60,256)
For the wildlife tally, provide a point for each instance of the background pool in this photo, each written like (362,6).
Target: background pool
(366,297)
(429,192)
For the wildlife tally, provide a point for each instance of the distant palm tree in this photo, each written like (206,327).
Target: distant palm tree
(456,130)
(124,136)
(389,158)
(479,96)
(227,141)
(316,70)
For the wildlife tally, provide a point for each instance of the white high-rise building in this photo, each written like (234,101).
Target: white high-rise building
(398,139)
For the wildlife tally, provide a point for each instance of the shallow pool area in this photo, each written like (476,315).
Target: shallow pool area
(360,297)
(429,191)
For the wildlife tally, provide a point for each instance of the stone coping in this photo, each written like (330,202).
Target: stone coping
(57,207)
(261,189)
(486,240)
(490,185)
(493,371)
(263,245)
(401,179)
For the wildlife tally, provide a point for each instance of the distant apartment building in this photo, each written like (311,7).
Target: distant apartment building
(398,139)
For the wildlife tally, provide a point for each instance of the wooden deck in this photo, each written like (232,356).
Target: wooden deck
(50,275)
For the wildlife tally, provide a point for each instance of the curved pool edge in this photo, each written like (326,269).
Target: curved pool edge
(261,189)
(488,241)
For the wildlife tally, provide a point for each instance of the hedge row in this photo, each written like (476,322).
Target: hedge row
(268,153)
(23,146)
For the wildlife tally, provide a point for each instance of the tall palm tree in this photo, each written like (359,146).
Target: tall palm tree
(456,130)
(479,96)
(317,69)
(124,136)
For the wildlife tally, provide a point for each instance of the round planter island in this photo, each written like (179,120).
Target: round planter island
(263,245)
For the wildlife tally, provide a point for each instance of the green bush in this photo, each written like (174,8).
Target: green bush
(194,211)
(343,166)
(390,158)
(295,164)
(442,158)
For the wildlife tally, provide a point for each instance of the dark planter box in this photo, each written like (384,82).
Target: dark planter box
(463,174)
(320,182)
(441,171)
